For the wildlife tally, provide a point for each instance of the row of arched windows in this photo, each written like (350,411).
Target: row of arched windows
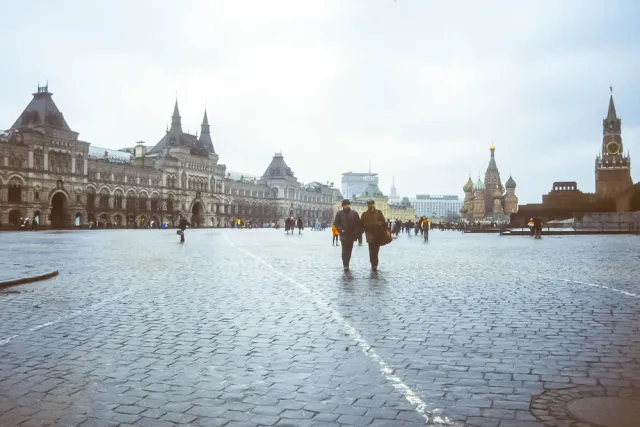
(140,202)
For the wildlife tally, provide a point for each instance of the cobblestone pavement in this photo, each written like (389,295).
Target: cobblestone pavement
(11,270)
(252,327)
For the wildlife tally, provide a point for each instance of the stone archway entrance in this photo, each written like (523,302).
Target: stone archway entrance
(58,216)
(196,214)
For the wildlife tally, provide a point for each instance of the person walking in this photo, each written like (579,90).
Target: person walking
(182,226)
(537,227)
(425,227)
(300,225)
(349,226)
(374,225)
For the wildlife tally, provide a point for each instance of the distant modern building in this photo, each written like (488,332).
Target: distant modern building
(355,183)
(442,206)
(394,197)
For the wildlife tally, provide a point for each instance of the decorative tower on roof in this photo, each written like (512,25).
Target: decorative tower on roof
(205,135)
(41,112)
(176,122)
(613,168)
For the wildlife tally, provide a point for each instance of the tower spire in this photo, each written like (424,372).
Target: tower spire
(205,135)
(176,123)
(611,114)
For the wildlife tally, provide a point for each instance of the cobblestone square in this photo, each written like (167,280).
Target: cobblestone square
(259,328)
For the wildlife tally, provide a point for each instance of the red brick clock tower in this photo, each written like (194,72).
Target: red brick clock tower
(613,168)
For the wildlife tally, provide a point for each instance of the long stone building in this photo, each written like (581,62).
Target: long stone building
(48,173)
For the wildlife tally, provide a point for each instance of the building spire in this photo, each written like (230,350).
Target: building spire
(611,114)
(205,135)
(176,123)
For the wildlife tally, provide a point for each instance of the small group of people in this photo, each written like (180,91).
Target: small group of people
(349,227)
(421,226)
(290,224)
(32,224)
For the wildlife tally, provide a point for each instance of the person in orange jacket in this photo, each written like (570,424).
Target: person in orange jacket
(336,235)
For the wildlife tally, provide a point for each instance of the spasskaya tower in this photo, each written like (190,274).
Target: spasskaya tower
(613,167)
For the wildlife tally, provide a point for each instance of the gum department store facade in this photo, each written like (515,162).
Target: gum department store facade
(46,172)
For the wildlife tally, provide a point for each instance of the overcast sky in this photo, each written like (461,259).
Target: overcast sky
(419,88)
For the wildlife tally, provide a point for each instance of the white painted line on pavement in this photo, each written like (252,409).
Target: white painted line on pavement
(595,285)
(64,318)
(388,373)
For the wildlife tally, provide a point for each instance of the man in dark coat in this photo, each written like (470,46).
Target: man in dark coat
(374,224)
(182,226)
(350,227)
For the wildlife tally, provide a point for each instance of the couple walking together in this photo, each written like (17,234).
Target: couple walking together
(351,226)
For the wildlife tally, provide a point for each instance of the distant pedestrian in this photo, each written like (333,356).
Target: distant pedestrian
(349,226)
(537,227)
(182,227)
(374,225)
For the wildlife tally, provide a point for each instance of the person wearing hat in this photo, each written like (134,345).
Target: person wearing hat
(349,226)
(373,223)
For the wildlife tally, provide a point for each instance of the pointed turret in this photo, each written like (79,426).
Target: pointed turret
(205,135)
(492,162)
(611,114)
(176,123)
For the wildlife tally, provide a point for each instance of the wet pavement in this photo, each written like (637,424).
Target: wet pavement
(15,272)
(253,327)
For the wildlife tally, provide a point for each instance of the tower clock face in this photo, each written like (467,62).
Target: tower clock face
(613,147)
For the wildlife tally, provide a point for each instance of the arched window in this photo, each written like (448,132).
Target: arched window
(91,199)
(170,203)
(154,203)
(117,201)
(131,201)
(142,202)
(104,199)
(79,165)
(15,192)
(53,162)
(66,162)
(38,160)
